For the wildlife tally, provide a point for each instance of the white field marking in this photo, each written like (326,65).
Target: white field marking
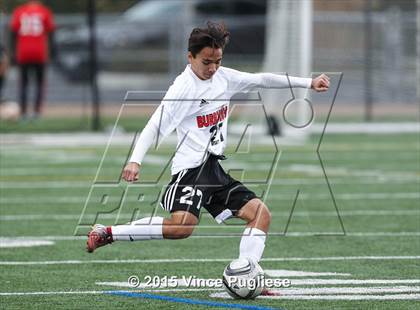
(47,184)
(351,234)
(349,290)
(23,243)
(331,170)
(180,282)
(353,196)
(307,169)
(205,260)
(102,292)
(375,180)
(225,295)
(372,128)
(352,156)
(345,151)
(345,128)
(101,139)
(282,273)
(47,159)
(51,293)
(344,171)
(331,297)
(307,282)
(239,235)
(64,217)
(49,170)
(117,284)
(348,297)
(288,291)
(88,171)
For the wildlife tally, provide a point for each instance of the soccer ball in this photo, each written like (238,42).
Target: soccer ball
(243,279)
(9,111)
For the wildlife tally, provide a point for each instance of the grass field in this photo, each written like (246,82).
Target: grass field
(367,251)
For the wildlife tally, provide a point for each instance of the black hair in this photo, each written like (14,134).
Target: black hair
(214,36)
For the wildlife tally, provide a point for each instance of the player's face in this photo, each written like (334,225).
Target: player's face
(206,62)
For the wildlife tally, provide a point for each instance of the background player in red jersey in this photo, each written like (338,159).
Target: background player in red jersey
(32,24)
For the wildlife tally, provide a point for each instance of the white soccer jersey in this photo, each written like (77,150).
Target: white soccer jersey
(199,109)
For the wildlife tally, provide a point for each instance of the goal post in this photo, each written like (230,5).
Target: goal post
(288,50)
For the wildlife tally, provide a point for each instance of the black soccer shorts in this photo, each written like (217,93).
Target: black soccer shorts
(206,186)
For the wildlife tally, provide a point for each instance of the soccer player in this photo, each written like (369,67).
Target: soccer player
(32,25)
(197,107)
(4,62)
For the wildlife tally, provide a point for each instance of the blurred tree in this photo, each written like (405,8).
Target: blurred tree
(75,6)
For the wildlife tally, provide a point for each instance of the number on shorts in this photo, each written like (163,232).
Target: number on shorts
(190,193)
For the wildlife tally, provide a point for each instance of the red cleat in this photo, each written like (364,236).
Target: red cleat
(98,236)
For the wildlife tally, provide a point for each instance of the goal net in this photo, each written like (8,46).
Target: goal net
(288,50)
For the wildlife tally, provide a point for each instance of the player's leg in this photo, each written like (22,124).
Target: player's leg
(180,225)
(40,81)
(237,200)
(23,87)
(258,219)
(256,214)
(180,198)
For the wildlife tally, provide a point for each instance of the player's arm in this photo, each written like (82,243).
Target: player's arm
(147,137)
(243,81)
(4,62)
(321,83)
(164,120)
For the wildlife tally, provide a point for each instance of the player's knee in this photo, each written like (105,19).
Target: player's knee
(254,211)
(179,231)
(180,226)
(264,214)
(184,232)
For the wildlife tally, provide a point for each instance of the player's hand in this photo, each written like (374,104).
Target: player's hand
(321,83)
(131,172)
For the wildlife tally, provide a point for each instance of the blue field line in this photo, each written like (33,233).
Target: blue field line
(187,300)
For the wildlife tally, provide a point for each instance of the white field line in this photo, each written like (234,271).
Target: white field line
(353,196)
(51,293)
(331,297)
(210,260)
(219,235)
(348,147)
(349,290)
(103,292)
(346,297)
(23,243)
(306,282)
(56,157)
(65,217)
(224,295)
(123,139)
(282,273)
(306,170)
(374,180)
(292,291)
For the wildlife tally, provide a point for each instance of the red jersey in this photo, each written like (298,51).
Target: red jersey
(32,22)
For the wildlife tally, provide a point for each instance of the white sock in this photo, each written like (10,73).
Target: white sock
(252,244)
(144,229)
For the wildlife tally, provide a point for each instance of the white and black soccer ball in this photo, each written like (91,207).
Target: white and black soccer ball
(243,279)
(9,111)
